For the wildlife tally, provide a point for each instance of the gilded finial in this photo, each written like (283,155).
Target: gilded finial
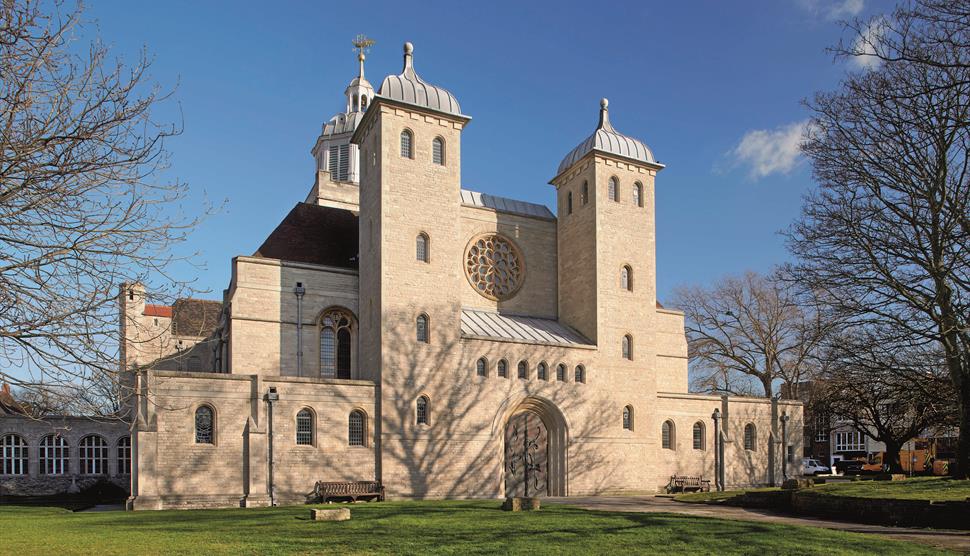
(362,44)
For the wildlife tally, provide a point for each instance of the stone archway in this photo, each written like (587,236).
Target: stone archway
(535,450)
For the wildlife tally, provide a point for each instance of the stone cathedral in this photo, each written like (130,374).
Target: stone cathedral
(448,343)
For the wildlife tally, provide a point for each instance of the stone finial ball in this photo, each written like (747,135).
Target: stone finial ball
(604,103)
(408,48)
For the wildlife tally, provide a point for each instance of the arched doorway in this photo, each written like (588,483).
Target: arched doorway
(535,450)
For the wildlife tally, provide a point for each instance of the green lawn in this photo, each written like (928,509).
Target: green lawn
(919,488)
(453,527)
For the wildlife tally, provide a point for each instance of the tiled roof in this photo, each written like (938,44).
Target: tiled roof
(476,323)
(195,317)
(9,405)
(314,234)
(158,311)
(503,204)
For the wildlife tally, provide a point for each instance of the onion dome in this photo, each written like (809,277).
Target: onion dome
(608,140)
(411,89)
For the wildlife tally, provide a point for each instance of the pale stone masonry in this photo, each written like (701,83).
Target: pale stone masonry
(339,353)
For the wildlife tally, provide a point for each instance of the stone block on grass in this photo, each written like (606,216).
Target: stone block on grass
(340,514)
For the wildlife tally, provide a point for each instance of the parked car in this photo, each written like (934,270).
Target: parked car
(813,467)
(849,466)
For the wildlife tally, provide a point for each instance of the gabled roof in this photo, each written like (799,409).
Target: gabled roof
(608,140)
(488,325)
(314,234)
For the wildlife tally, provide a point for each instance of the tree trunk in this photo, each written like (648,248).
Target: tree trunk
(891,458)
(962,470)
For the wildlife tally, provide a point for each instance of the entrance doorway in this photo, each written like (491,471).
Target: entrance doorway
(535,450)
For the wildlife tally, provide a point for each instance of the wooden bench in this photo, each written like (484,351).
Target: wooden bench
(684,483)
(353,491)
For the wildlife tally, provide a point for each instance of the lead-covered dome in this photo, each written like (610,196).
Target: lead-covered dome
(608,140)
(411,89)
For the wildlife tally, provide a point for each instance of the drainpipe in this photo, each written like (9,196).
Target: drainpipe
(716,417)
(299,290)
(271,397)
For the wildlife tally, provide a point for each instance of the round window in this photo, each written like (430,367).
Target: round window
(494,267)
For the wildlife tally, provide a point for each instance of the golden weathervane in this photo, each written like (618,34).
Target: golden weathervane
(362,44)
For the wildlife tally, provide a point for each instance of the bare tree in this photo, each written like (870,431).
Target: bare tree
(82,206)
(751,331)
(887,234)
(889,387)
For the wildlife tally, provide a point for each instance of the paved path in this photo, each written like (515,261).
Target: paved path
(941,538)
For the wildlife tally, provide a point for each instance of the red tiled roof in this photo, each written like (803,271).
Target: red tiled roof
(158,311)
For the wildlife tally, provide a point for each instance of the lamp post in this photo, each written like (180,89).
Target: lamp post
(716,416)
(299,290)
(784,444)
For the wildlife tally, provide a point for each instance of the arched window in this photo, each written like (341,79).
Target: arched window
(698,436)
(481,367)
(438,151)
(421,248)
(93,454)
(585,195)
(407,144)
(580,374)
(204,425)
(628,347)
(541,371)
(561,372)
(503,369)
(356,428)
(523,370)
(626,278)
(750,436)
(569,202)
(363,103)
(336,344)
(421,329)
(628,418)
(195,364)
(422,411)
(613,190)
(124,455)
(13,455)
(638,194)
(304,427)
(55,455)
(667,435)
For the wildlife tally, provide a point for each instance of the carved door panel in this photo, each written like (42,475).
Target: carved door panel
(526,456)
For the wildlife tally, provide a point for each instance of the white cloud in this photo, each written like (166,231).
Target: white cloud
(771,151)
(833,9)
(863,47)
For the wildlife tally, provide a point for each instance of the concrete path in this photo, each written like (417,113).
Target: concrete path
(958,541)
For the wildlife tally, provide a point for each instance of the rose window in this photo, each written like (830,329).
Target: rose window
(494,267)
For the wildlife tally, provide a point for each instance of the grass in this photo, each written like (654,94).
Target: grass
(715,497)
(451,527)
(919,488)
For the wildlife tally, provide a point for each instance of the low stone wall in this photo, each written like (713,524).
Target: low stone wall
(57,485)
(905,513)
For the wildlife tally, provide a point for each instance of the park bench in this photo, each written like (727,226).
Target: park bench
(684,483)
(358,490)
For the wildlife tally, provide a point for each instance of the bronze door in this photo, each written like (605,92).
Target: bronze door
(526,458)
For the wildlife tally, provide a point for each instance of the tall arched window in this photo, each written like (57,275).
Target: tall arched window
(541,371)
(561,372)
(503,369)
(336,344)
(626,278)
(667,435)
(204,425)
(628,418)
(638,194)
(750,436)
(55,455)
(124,455)
(304,427)
(13,455)
(613,190)
(422,411)
(421,248)
(523,370)
(698,436)
(356,428)
(422,332)
(481,367)
(569,202)
(580,374)
(628,347)
(584,197)
(93,454)
(407,144)
(438,151)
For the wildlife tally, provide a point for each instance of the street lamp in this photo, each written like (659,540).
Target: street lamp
(716,417)
(784,444)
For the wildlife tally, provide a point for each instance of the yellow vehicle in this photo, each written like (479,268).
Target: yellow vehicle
(923,459)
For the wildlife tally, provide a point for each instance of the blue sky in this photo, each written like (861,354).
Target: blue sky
(714,88)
